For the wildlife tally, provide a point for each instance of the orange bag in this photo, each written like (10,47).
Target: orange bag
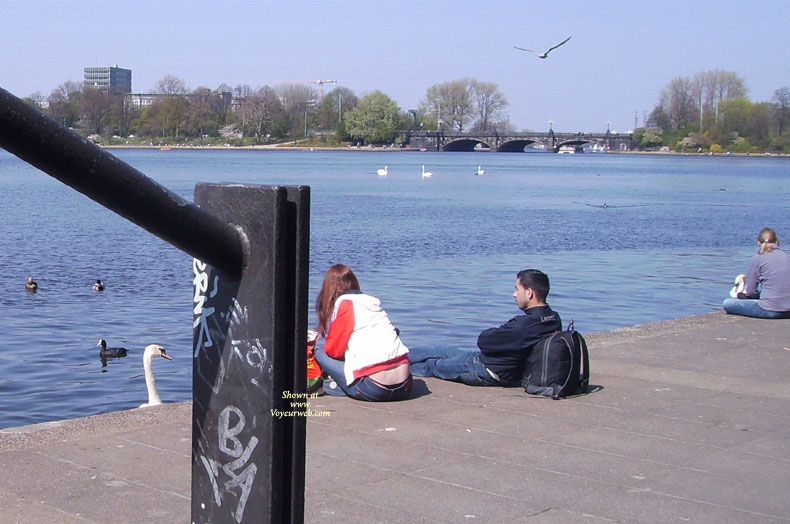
(314,374)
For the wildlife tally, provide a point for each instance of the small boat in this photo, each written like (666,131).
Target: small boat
(165,148)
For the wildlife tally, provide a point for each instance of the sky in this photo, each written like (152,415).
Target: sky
(620,56)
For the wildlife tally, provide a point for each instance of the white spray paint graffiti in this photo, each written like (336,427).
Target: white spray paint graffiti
(200,283)
(240,470)
(205,320)
(247,349)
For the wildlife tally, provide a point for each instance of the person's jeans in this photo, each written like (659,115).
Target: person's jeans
(749,307)
(364,388)
(458,365)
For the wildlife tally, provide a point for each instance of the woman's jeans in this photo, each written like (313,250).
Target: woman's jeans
(364,388)
(749,307)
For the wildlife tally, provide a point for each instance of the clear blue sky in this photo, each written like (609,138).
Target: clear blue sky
(621,54)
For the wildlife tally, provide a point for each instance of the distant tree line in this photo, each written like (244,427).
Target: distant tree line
(711,112)
(284,112)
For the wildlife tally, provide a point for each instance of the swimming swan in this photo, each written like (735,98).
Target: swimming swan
(154,350)
(426,174)
(480,171)
(106,352)
(382,172)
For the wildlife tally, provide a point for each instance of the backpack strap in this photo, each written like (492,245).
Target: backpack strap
(569,345)
(585,371)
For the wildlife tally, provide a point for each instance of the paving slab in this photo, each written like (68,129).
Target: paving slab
(688,423)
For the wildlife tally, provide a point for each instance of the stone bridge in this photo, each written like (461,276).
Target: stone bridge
(515,142)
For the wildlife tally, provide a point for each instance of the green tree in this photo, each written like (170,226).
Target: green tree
(489,103)
(200,118)
(781,100)
(122,114)
(168,115)
(735,116)
(171,85)
(332,107)
(660,118)
(95,109)
(375,119)
(298,107)
(758,126)
(449,104)
(696,100)
(648,137)
(259,112)
(65,102)
(677,99)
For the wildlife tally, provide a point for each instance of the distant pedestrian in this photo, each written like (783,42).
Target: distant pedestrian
(766,292)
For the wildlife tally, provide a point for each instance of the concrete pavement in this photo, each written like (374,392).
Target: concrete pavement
(690,425)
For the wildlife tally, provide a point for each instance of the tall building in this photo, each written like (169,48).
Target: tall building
(113,80)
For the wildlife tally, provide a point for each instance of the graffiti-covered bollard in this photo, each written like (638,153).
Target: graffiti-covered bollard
(249,361)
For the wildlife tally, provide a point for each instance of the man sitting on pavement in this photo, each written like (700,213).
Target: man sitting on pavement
(502,351)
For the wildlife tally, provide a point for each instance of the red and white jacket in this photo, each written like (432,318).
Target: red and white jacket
(361,333)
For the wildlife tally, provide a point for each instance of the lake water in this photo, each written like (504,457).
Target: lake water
(441,253)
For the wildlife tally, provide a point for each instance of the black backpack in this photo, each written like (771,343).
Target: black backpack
(558,366)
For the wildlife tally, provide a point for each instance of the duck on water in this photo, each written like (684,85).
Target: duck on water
(106,352)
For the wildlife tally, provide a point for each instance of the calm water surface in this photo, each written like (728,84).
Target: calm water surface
(441,253)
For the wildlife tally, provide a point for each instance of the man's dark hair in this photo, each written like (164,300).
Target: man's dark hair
(536,280)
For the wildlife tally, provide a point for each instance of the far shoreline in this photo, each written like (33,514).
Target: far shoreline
(417,150)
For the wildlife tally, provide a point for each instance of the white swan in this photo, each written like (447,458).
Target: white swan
(480,171)
(382,172)
(426,174)
(740,285)
(154,350)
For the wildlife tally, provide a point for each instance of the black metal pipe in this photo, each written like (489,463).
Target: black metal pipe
(75,161)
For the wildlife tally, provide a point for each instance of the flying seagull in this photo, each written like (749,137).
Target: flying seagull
(543,55)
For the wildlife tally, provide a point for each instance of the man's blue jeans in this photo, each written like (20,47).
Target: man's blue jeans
(749,307)
(458,365)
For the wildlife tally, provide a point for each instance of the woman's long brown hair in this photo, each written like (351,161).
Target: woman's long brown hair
(338,280)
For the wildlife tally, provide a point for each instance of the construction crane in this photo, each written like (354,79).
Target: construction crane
(321,85)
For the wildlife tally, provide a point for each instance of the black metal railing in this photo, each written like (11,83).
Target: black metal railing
(75,161)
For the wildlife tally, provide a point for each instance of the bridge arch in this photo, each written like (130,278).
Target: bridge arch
(578,143)
(464,144)
(575,142)
(516,145)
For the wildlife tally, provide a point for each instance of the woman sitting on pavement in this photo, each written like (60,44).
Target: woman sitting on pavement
(362,352)
(767,282)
